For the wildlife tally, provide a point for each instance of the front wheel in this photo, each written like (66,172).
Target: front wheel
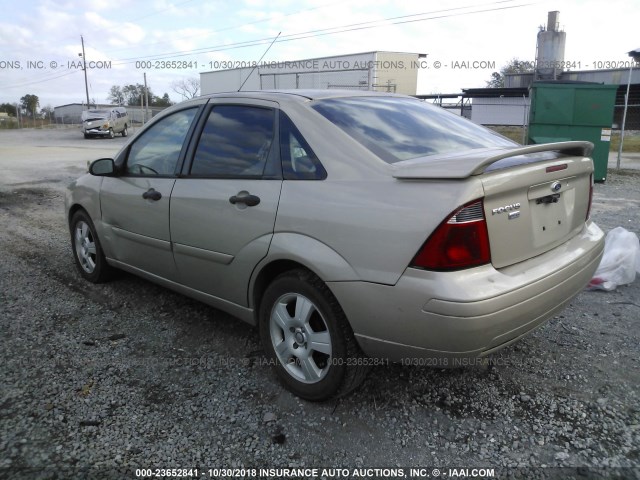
(111,133)
(87,250)
(307,337)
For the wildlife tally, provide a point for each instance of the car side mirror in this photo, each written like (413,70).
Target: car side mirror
(103,167)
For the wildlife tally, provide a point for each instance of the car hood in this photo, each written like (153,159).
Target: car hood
(477,161)
(95,119)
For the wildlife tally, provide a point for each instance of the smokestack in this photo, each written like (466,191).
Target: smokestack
(550,49)
(553,21)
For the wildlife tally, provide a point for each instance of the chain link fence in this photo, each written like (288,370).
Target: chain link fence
(633,110)
(73,118)
(633,117)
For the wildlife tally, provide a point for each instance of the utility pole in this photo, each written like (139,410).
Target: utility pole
(146,96)
(635,55)
(84,65)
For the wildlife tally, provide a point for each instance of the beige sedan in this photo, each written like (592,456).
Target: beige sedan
(348,226)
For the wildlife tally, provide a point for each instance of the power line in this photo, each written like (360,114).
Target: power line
(324,32)
(397,20)
(41,80)
(233,27)
(229,46)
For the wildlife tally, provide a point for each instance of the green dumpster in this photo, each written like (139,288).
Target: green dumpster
(562,111)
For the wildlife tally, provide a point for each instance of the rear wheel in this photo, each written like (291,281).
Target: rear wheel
(306,335)
(125,132)
(87,250)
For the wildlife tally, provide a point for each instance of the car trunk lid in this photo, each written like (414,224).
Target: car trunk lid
(535,197)
(477,161)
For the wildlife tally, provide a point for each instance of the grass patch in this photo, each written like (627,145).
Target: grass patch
(512,132)
(631,143)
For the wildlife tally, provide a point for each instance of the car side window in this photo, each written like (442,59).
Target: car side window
(298,160)
(235,142)
(157,150)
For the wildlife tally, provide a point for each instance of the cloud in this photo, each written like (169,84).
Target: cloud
(114,34)
(50,30)
(14,37)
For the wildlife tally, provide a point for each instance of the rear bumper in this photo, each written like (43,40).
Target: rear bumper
(470,313)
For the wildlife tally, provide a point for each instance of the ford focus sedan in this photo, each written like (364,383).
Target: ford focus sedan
(349,227)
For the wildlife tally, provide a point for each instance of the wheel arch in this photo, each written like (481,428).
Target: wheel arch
(291,251)
(84,194)
(265,276)
(72,211)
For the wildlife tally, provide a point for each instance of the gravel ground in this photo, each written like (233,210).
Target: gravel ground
(98,380)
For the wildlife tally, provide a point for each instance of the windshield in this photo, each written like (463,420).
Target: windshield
(397,129)
(95,114)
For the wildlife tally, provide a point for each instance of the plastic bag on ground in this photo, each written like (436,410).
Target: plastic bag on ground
(620,262)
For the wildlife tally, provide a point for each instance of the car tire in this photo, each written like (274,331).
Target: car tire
(297,311)
(125,132)
(111,133)
(86,135)
(87,250)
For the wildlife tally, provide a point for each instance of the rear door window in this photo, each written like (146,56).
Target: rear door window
(235,142)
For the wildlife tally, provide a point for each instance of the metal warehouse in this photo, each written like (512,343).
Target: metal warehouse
(395,72)
(72,112)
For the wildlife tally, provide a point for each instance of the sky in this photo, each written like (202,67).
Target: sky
(40,39)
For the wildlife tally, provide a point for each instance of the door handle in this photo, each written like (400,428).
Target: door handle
(249,200)
(152,194)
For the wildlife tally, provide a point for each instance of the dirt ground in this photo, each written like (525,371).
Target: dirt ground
(98,380)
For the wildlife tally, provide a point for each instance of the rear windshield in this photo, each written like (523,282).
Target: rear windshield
(398,129)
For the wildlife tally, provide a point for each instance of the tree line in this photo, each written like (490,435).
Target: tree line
(133,94)
(119,95)
(513,66)
(28,107)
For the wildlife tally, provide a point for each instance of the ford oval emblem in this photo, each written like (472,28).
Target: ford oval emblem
(556,186)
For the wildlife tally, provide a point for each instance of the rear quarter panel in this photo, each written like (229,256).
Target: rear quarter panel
(377,225)
(374,221)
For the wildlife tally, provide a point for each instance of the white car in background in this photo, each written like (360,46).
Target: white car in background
(105,122)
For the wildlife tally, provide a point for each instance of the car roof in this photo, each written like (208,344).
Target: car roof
(300,95)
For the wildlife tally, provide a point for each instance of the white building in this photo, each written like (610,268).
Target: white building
(380,71)
(500,111)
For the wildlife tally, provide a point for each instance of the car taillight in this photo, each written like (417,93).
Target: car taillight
(461,241)
(590,197)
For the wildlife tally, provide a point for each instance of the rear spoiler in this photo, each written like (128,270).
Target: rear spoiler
(475,162)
